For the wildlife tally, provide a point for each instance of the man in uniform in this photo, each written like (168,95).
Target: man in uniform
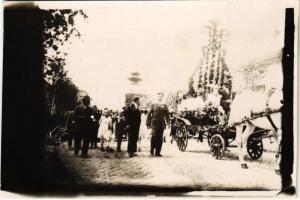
(156,120)
(133,119)
(83,125)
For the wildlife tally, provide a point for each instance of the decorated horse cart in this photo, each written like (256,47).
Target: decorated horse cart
(209,122)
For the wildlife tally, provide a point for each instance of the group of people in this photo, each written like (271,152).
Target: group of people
(90,126)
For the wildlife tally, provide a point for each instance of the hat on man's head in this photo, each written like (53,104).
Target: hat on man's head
(94,107)
(86,100)
(86,97)
(136,98)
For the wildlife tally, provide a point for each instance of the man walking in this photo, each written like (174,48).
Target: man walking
(70,128)
(95,126)
(83,126)
(156,120)
(133,118)
(120,129)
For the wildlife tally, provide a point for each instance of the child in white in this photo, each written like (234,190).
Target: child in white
(105,131)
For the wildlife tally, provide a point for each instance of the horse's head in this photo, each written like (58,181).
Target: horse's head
(275,98)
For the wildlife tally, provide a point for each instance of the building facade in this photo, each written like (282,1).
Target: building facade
(263,74)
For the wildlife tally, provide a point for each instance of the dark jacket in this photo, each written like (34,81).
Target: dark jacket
(225,95)
(70,124)
(158,116)
(133,116)
(82,117)
(224,102)
(120,125)
(97,115)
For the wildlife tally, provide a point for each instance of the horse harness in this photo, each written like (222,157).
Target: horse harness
(272,123)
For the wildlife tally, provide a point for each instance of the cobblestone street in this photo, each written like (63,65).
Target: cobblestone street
(194,168)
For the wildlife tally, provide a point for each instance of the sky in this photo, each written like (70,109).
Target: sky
(162,41)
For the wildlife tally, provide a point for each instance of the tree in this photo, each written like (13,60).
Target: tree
(172,100)
(59,28)
(66,93)
(253,73)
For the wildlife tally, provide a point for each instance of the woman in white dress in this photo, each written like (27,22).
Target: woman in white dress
(105,131)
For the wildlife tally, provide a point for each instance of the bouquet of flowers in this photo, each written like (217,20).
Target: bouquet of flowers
(212,115)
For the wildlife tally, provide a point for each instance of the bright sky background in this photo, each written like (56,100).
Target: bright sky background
(162,40)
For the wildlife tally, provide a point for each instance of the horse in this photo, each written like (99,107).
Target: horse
(243,106)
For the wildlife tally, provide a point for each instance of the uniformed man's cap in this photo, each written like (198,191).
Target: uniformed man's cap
(94,107)
(86,98)
(136,99)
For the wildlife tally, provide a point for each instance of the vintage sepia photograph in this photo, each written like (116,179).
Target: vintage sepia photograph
(163,98)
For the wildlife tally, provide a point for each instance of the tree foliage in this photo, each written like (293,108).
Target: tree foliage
(253,73)
(68,90)
(59,28)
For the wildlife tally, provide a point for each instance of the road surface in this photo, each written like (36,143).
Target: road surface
(195,168)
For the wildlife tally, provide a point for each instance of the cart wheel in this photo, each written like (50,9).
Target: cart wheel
(181,138)
(254,147)
(217,146)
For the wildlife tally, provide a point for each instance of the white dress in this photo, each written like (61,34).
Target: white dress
(104,132)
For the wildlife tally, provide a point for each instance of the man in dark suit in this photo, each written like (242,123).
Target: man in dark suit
(133,119)
(95,126)
(120,129)
(83,126)
(156,120)
(225,97)
(70,126)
